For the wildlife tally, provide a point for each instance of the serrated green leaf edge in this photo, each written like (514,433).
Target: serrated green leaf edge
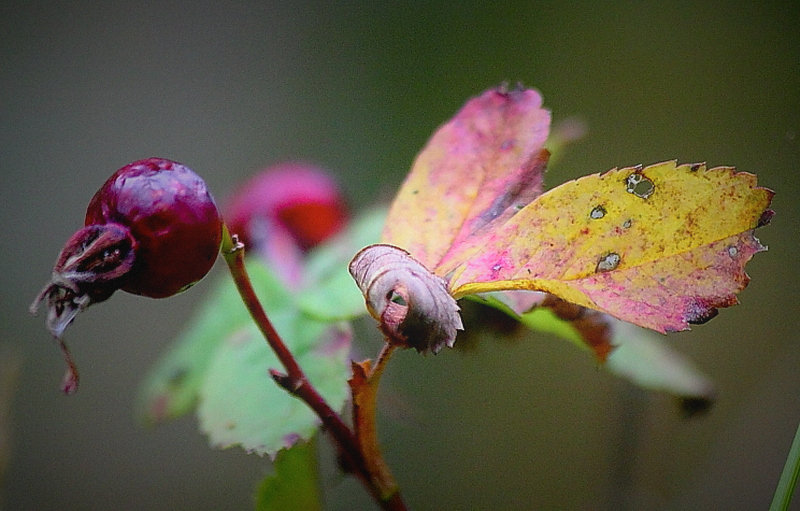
(241,405)
(171,386)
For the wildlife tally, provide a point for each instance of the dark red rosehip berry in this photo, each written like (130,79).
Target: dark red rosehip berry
(152,229)
(285,210)
(172,217)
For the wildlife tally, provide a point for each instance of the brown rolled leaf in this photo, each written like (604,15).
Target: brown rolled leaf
(411,304)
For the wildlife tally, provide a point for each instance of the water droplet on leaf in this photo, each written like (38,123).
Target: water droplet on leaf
(608,262)
(639,185)
(597,212)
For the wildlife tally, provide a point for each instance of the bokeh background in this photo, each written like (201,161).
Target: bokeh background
(228,87)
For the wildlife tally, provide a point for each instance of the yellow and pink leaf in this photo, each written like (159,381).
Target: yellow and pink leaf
(662,246)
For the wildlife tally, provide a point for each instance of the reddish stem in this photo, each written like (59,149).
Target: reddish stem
(364,389)
(296,382)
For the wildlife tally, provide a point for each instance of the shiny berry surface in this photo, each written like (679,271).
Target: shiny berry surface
(172,218)
(152,229)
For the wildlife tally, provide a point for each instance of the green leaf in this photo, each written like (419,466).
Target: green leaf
(541,319)
(171,387)
(240,403)
(294,486)
(544,320)
(330,292)
(220,362)
(646,359)
(640,356)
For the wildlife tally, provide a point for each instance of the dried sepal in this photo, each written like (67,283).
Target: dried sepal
(92,265)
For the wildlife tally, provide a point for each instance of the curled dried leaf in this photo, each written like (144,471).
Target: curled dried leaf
(411,304)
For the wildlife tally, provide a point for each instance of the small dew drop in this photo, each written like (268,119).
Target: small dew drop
(497,267)
(608,262)
(627,224)
(733,251)
(639,185)
(597,212)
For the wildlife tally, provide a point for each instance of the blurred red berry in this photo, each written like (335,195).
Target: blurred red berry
(299,197)
(285,210)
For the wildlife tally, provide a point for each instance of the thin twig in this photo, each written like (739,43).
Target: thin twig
(295,381)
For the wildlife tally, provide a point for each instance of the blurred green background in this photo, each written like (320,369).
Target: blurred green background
(228,87)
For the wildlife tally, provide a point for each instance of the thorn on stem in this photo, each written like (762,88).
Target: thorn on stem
(286,381)
(278,376)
